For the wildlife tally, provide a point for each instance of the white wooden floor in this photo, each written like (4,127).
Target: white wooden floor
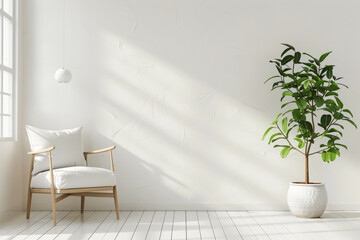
(179,225)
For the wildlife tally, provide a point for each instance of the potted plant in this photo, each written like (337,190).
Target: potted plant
(312,117)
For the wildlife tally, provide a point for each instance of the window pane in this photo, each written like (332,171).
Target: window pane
(7,82)
(7,106)
(8,6)
(8,48)
(7,126)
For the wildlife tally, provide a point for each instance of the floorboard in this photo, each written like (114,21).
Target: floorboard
(167,228)
(216,225)
(104,227)
(49,232)
(206,230)
(230,230)
(18,228)
(156,226)
(192,225)
(117,225)
(179,228)
(179,225)
(45,221)
(128,230)
(143,226)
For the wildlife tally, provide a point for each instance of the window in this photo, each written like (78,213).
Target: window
(7,70)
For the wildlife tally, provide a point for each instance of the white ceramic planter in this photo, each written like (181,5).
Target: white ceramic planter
(307,200)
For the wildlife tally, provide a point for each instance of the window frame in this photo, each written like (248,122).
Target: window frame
(14,94)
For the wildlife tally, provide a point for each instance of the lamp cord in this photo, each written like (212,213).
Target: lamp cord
(63,38)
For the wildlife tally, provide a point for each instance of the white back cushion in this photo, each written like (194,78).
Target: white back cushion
(68,147)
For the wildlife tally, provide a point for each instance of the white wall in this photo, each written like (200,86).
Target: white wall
(178,87)
(11,176)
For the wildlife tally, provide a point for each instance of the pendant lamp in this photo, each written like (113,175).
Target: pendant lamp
(63,75)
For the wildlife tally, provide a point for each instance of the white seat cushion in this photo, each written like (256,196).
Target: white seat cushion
(75,177)
(68,150)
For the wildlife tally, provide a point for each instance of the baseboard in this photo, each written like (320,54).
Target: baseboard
(244,207)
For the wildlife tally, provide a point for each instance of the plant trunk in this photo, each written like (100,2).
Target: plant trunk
(307,169)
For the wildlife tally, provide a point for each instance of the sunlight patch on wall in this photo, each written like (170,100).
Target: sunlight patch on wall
(174,123)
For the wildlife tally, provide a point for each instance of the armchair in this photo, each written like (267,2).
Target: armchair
(81,181)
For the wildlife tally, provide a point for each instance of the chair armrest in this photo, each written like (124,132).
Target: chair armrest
(101,150)
(42,151)
(109,149)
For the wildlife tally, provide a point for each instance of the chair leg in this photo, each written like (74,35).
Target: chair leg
(116,202)
(53,200)
(82,204)
(28,207)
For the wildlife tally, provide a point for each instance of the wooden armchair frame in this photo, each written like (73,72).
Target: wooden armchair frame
(80,192)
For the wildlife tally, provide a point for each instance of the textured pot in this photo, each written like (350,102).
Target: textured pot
(307,200)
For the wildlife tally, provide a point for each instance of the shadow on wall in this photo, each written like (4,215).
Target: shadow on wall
(197,145)
(188,132)
(181,144)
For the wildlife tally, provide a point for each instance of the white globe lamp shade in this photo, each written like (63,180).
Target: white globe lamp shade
(63,75)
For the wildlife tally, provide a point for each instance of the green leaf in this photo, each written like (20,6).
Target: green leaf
(296,114)
(330,102)
(309,55)
(285,124)
(323,156)
(285,104)
(325,120)
(330,155)
(334,86)
(338,115)
(266,132)
(308,126)
(337,124)
(343,85)
(332,137)
(289,130)
(340,104)
(277,119)
(279,70)
(335,130)
(288,45)
(276,76)
(329,73)
(280,146)
(287,93)
(287,112)
(331,94)
(297,57)
(306,84)
(285,152)
(301,143)
(332,108)
(275,139)
(322,58)
(319,101)
(285,51)
(272,137)
(350,121)
(301,103)
(337,152)
(287,59)
(326,68)
(348,111)
(341,145)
